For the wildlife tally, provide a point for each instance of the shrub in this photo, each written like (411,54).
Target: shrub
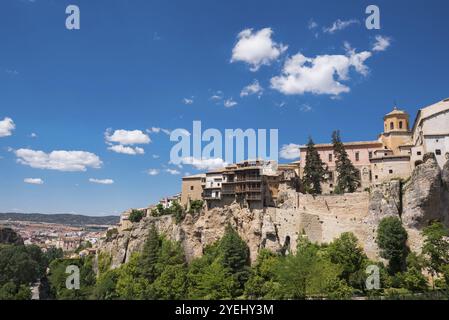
(136,215)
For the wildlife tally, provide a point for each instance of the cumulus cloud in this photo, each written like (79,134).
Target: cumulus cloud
(172,171)
(204,164)
(187,101)
(118,148)
(253,88)
(339,25)
(256,48)
(101,181)
(127,137)
(58,160)
(6,127)
(229,103)
(319,75)
(290,151)
(153,172)
(37,181)
(382,43)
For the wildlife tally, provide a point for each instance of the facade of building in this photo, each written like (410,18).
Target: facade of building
(192,188)
(212,187)
(360,154)
(168,201)
(431,133)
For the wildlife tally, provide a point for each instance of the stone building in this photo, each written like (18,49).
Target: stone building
(431,133)
(192,188)
(360,154)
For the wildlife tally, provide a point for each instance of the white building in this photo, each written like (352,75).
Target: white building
(431,133)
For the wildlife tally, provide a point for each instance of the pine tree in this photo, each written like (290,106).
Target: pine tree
(347,175)
(314,170)
(150,255)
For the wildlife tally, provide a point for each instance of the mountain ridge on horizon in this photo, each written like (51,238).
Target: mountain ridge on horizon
(61,218)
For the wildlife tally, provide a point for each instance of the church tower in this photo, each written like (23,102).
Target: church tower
(396,133)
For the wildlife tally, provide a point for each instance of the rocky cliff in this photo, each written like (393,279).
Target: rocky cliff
(322,218)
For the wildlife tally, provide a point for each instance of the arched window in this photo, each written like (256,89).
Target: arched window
(400,124)
(391,125)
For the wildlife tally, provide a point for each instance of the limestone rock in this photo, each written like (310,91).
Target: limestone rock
(423,195)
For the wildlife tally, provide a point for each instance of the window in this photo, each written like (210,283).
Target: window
(191,187)
(391,125)
(331,185)
(390,171)
(438,152)
(331,176)
(330,157)
(400,124)
(376,177)
(357,156)
(370,154)
(418,153)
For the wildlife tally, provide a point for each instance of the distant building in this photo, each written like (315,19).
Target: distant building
(168,201)
(192,188)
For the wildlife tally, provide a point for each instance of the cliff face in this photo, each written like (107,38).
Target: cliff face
(322,218)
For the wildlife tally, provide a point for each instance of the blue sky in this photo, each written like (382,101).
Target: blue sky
(137,65)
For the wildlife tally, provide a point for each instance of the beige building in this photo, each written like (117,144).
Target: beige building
(360,154)
(431,133)
(192,188)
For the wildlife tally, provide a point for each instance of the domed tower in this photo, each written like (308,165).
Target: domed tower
(396,136)
(396,121)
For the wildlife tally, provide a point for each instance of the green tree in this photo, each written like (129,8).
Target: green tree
(309,273)
(392,239)
(347,175)
(131,284)
(263,283)
(235,256)
(58,276)
(105,288)
(150,255)
(136,215)
(346,252)
(436,247)
(314,170)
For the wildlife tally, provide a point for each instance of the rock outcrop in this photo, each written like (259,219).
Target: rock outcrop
(425,195)
(322,218)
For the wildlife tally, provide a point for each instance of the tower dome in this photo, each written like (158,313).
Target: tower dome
(396,121)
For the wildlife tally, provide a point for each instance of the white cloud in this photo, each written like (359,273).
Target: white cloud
(58,160)
(256,48)
(6,127)
(33,135)
(127,137)
(290,151)
(253,88)
(172,171)
(158,130)
(33,181)
(187,101)
(126,150)
(229,103)
(101,181)
(204,164)
(339,25)
(319,75)
(312,24)
(156,156)
(382,43)
(217,95)
(306,108)
(153,172)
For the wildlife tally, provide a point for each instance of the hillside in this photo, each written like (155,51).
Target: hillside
(65,219)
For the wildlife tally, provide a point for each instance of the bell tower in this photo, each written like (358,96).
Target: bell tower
(396,131)
(396,121)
